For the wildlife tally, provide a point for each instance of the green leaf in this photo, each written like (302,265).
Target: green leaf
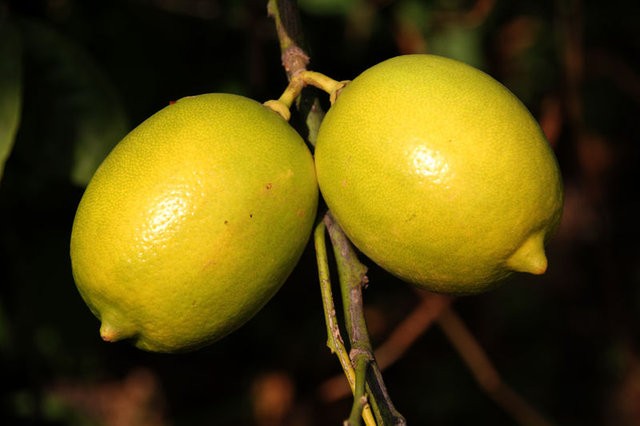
(459,42)
(78,112)
(10,88)
(416,12)
(327,7)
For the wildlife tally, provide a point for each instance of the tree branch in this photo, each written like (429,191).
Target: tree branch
(353,277)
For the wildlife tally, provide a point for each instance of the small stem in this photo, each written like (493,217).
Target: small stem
(327,84)
(352,275)
(403,336)
(361,363)
(295,61)
(292,92)
(334,338)
(298,82)
(283,104)
(287,21)
(294,58)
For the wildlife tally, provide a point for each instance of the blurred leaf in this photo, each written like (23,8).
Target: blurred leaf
(10,88)
(459,42)
(419,30)
(79,106)
(416,12)
(327,7)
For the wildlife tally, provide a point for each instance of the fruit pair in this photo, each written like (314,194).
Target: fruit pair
(433,169)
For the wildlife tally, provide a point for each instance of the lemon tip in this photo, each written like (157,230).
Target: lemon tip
(529,257)
(110,334)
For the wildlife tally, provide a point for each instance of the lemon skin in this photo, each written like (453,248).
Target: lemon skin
(439,174)
(193,222)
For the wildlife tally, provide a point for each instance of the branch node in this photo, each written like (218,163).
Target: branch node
(358,352)
(294,61)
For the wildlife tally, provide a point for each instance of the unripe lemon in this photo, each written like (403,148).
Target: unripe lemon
(193,222)
(439,174)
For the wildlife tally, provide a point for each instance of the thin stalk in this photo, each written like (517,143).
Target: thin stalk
(334,338)
(287,22)
(295,61)
(359,391)
(353,277)
(298,82)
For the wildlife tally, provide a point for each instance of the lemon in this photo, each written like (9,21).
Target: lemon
(193,222)
(439,174)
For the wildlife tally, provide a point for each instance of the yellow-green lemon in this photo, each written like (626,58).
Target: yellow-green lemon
(193,222)
(439,174)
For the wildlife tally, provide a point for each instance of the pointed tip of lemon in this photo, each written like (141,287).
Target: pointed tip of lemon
(530,256)
(109,333)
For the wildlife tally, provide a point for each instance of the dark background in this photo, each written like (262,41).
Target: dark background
(567,342)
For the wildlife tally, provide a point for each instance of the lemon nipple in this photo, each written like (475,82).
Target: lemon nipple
(109,333)
(530,256)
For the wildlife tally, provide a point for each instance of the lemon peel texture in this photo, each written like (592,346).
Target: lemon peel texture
(439,174)
(193,222)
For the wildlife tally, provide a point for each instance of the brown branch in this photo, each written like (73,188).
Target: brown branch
(411,328)
(352,277)
(437,308)
(403,336)
(485,373)
(287,21)
(351,272)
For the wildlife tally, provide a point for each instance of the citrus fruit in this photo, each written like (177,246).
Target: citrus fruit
(193,222)
(439,174)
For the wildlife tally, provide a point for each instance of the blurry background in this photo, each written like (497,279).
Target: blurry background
(82,73)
